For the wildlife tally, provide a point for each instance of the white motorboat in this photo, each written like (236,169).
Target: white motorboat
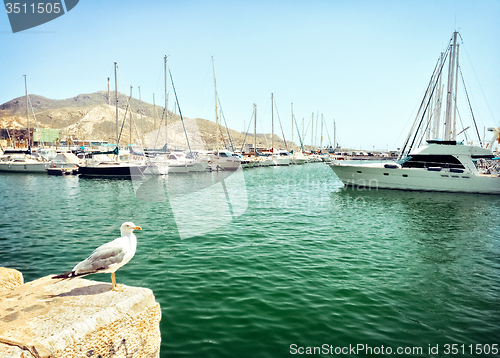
(434,165)
(437,166)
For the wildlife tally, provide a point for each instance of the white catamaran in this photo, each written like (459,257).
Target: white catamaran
(434,164)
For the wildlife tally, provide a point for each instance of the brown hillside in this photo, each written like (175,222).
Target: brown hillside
(90,117)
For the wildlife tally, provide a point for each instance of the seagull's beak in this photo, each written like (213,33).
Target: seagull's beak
(137,228)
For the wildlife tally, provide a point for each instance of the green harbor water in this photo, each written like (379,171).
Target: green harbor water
(308,267)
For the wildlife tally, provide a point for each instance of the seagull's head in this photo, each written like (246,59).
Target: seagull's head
(129,227)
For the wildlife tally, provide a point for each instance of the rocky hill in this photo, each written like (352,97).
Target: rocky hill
(93,117)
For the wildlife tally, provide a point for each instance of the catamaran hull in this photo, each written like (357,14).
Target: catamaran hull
(420,179)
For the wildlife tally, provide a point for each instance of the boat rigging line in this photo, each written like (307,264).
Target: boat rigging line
(36,122)
(427,97)
(246,132)
(180,113)
(298,132)
(129,106)
(283,133)
(470,107)
(227,129)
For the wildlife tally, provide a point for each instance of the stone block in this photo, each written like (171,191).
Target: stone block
(10,278)
(78,318)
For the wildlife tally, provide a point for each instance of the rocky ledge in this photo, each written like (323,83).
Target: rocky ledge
(77,318)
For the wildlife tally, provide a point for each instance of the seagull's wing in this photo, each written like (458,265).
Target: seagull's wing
(103,258)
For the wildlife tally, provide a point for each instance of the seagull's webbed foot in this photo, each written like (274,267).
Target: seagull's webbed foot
(116,288)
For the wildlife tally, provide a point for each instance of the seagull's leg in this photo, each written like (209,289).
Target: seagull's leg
(115,286)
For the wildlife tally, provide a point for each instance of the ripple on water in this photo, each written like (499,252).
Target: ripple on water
(307,263)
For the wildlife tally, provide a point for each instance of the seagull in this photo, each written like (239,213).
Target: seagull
(109,257)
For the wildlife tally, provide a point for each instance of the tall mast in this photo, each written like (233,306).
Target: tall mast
(292,122)
(321,134)
(166,105)
(116,106)
(312,130)
(456,94)
(439,100)
(130,137)
(272,123)
(27,110)
(316,132)
(142,120)
(303,135)
(216,111)
(154,112)
(255,129)
(449,97)
(334,136)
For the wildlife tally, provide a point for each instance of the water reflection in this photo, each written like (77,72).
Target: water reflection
(444,226)
(200,202)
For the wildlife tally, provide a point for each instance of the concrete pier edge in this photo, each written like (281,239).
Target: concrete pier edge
(75,318)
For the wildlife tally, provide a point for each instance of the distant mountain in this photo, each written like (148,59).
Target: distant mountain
(93,117)
(39,103)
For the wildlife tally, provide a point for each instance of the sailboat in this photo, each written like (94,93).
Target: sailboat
(101,165)
(282,157)
(428,164)
(22,161)
(222,159)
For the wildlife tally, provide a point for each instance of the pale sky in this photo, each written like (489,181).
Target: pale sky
(365,64)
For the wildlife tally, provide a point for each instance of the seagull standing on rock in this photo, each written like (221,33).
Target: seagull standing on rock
(109,257)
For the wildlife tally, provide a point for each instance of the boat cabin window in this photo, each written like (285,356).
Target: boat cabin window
(426,161)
